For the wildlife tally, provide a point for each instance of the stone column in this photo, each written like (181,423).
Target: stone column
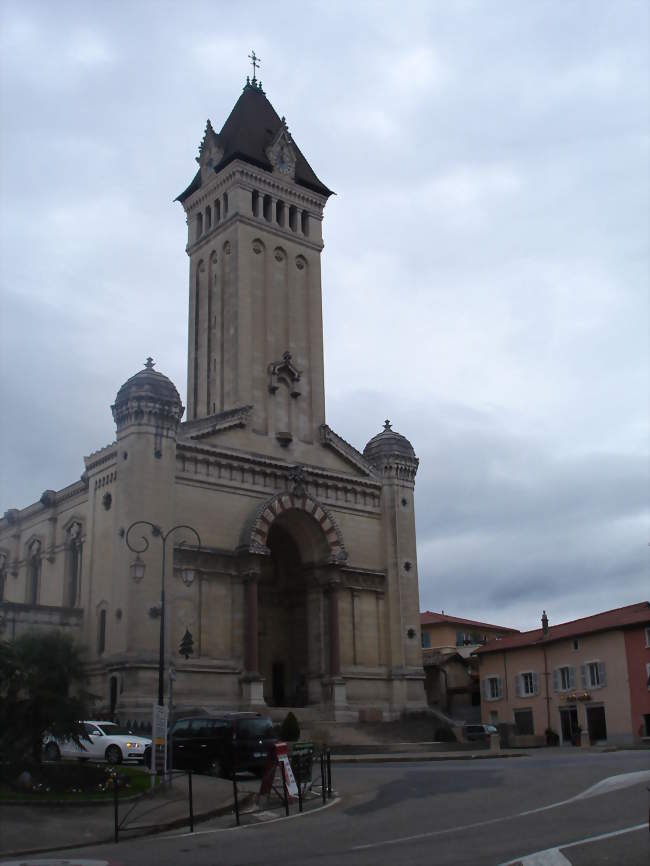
(252,684)
(252,649)
(334,691)
(335,648)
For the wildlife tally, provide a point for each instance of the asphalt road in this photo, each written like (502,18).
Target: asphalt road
(483,813)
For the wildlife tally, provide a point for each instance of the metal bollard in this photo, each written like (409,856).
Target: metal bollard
(189,792)
(329,774)
(235,795)
(323,786)
(115,808)
(299,795)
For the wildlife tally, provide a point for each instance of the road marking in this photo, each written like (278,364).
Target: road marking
(554,857)
(616,782)
(333,802)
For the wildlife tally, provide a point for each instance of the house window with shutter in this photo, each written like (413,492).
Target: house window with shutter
(492,688)
(564,678)
(647,637)
(527,684)
(593,675)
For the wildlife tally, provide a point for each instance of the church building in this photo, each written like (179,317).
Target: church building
(292,579)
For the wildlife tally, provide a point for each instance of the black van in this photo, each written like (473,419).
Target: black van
(220,744)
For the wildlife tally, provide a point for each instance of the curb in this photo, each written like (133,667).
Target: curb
(149,830)
(405,758)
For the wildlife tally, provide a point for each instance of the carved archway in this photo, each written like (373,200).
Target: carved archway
(256,531)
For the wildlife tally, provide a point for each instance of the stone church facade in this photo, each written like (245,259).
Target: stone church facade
(303,590)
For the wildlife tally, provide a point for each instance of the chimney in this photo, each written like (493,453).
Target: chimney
(544,623)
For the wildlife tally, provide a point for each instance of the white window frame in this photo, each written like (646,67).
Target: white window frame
(523,680)
(493,687)
(597,682)
(571,675)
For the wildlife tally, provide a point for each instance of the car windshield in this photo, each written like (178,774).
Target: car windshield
(255,728)
(112,730)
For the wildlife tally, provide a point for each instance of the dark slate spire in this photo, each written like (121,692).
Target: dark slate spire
(251,126)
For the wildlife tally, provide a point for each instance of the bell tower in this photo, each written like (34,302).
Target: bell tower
(254,214)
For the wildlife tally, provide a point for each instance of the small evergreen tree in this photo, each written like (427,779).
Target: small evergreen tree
(290,728)
(186,647)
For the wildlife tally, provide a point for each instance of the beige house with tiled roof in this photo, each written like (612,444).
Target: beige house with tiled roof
(297,578)
(588,679)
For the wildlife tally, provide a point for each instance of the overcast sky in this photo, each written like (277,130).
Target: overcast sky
(485,272)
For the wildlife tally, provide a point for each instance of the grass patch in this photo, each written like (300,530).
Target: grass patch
(70,781)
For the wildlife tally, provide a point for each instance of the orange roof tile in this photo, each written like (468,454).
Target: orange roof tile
(620,617)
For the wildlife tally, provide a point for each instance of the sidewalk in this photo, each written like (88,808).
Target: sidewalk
(38,828)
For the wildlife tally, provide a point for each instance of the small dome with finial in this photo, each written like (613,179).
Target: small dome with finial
(388,444)
(147,392)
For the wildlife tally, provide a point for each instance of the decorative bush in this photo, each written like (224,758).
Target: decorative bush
(290,728)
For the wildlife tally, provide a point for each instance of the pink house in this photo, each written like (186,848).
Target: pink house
(591,675)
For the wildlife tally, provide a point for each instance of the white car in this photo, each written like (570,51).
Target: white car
(106,742)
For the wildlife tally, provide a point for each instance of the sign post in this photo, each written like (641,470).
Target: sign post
(159,740)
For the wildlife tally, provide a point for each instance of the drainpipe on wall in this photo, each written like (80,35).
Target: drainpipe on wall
(548,699)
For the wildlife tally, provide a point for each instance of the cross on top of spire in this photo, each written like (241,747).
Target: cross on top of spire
(255,62)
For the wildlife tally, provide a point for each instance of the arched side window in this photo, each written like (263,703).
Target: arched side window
(72,579)
(4,559)
(33,572)
(208,218)
(304,223)
(217,210)
(255,202)
(225,205)
(101,629)
(293,217)
(199,225)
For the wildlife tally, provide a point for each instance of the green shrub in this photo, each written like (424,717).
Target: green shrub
(290,728)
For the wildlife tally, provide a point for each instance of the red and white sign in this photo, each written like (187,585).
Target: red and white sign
(279,759)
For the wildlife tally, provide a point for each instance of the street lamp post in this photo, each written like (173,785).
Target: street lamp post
(137,571)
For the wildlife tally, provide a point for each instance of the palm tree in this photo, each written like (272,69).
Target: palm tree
(42,689)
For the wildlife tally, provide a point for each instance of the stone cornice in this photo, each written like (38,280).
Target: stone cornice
(214,423)
(252,178)
(99,459)
(274,465)
(19,515)
(349,453)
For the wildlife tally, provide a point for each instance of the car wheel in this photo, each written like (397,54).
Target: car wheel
(146,760)
(113,755)
(52,752)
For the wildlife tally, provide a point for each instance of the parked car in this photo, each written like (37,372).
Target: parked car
(479,733)
(106,741)
(222,744)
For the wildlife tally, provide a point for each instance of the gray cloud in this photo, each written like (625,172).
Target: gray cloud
(485,271)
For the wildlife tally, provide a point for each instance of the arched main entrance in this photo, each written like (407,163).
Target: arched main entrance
(292,600)
(283,619)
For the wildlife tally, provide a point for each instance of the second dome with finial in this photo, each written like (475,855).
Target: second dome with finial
(388,444)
